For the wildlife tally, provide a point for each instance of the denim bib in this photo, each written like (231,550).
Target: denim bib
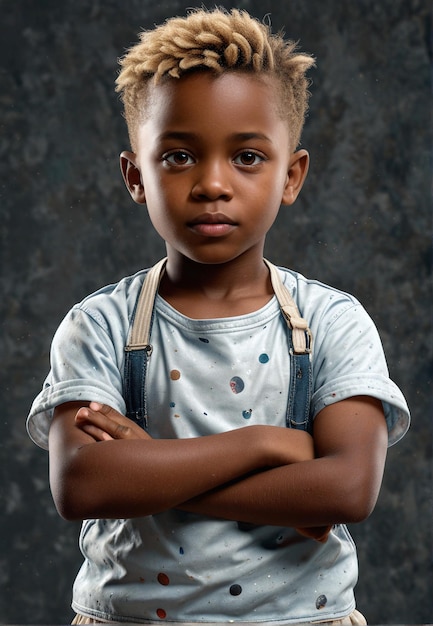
(138,352)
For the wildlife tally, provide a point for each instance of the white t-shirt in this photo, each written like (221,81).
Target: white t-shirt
(204,377)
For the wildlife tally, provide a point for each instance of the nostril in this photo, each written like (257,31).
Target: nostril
(212,183)
(212,191)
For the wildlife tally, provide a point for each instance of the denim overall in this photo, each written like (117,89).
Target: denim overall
(139,350)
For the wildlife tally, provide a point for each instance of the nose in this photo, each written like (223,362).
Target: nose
(212,181)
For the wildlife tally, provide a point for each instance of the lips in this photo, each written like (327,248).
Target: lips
(212,224)
(212,218)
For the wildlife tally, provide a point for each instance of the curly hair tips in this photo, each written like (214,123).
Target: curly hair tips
(217,41)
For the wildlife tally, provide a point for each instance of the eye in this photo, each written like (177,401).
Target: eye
(249,158)
(178,158)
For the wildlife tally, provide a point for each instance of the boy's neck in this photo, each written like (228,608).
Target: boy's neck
(206,291)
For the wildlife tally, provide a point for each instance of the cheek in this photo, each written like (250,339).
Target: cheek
(158,216)
(163,191)
(270,195)
(161,208)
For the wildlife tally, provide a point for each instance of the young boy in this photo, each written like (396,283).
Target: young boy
(209,508)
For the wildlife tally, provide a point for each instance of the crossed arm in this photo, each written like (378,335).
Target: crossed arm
(103,466)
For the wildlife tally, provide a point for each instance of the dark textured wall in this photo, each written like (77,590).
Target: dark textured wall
(68,227)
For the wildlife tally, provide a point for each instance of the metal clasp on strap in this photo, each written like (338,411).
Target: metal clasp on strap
(140,346)
(301,334)
(302,337)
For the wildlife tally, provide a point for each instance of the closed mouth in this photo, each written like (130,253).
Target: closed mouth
(212,218)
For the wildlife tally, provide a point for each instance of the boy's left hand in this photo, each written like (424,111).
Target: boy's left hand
(104,423)
(318,533)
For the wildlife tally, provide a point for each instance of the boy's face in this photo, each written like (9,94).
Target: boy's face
(213,165)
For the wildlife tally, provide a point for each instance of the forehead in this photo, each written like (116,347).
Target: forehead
(205,103)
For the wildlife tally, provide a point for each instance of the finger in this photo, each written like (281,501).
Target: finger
(110,421)
(104,422)
(122,432)
(86,415)
(96,433)
(105,409)
(319,533)
(82,413)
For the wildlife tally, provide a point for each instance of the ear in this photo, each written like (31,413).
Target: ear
(296,175)
(132,176)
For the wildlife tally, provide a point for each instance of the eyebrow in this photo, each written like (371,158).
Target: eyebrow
(185,136)
(248,136)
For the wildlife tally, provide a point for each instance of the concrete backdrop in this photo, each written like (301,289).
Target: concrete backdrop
(68,227)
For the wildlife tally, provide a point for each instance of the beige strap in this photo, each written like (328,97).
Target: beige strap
(140,331)
(301,334)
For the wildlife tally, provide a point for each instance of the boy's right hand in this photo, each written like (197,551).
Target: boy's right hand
(104,423)
(281,446)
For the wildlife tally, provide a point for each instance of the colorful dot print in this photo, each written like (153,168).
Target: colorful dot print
(237,385)
(321,602)
(174,374)
(163,579)
(235,590)
(263,358)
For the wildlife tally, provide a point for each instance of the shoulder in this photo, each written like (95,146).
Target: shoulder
(348,357)
(103,317)
(112,304)
(335,317)
(318,303)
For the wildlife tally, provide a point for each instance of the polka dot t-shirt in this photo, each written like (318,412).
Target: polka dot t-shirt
(208,376)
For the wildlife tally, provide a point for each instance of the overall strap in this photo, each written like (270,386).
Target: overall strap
(300,351)
(138,351)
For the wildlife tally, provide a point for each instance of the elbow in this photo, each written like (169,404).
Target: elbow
(357,503)
(72,492)
(71,505)
(356,491)
(359,511)
(68,511)
(69,501)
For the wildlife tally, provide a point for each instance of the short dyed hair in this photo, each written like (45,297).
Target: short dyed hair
(217,41)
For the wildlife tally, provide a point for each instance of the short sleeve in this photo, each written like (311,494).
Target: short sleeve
(349,361)
(85,365)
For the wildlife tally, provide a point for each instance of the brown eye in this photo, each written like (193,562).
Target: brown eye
(178,158)
(248,158)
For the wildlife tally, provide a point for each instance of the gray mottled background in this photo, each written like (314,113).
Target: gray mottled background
(363,224)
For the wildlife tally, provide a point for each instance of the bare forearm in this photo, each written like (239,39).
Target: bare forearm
(228,475)
(138,477)
(340,485)
(306,494)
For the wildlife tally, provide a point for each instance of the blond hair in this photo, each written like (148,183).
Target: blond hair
(217,41)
